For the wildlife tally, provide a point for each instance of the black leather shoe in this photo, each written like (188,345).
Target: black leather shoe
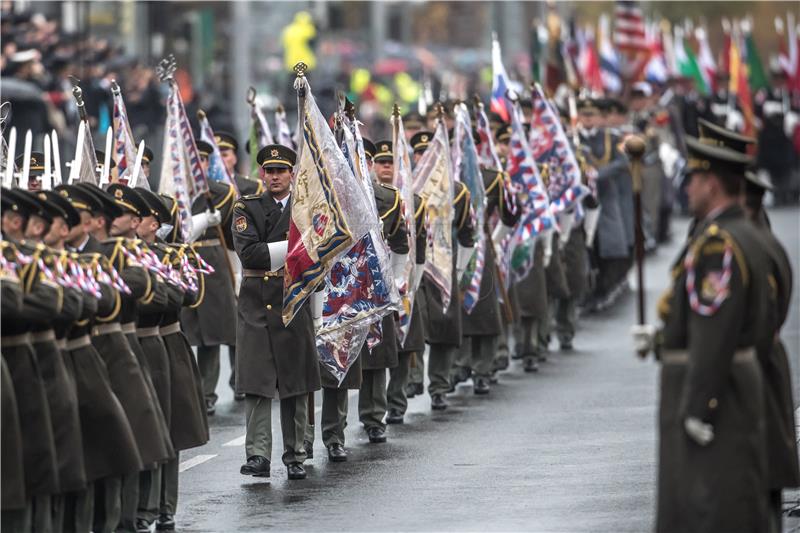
(438,403)
(309,447)
(238,396)
(517,355)
(142,526)
(210,407)
(566,346)
(500,363)
(376,434)
(481,385)
(165,522)
(451,387)
(257,466)
(296,471)
(414,389)
(394,417)
(337,453)
(460,375)
(531,363)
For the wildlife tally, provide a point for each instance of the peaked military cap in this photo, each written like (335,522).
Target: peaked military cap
(385,150)
(226,141)
(759,179)
(59,206)
(128,199)
(710,133)
(588,105)
(616,106)
(369,148)
(276,156)
(81,199)
(158,208)
(147,156)
(475,136)
(204,148)
(421,140)
(503,133)
(108,206)
(20,201)
(413,120)
(706,156)
(101,159)
(37,164)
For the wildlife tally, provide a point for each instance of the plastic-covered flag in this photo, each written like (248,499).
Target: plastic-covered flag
(550,146)
(182,176)
(217,171)
(260,133)
(124,144)
(433,182)
(359,289)
(402,180)
(328,214)
(536,217)
(284,135)
(500,83)
(468,171)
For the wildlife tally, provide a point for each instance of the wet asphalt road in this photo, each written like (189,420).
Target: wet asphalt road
(572,448)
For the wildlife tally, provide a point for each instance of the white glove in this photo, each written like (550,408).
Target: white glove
(698,431)
(644,337)
(547,240)
(462,260)
(566,221)
(214,218)
(790,121)
(317,299)
(199,225)
(398,262)
(500,232)
(277,254)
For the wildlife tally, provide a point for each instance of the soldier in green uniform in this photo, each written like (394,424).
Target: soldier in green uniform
(782,461)
(272,357)
(372,401)
(484,325)
(712,460)
(416,377)
(188,423)
(444,332)
(211,321)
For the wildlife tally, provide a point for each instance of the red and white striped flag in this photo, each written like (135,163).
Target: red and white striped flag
(629,30)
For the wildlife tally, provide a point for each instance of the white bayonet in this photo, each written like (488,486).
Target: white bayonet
(26,162)
(8,178)
(75,169)
(137,166)
(47,177)
(56,159)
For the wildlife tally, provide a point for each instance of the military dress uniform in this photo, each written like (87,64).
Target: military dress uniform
(410,353)
(211,321)
(782,460)
(372,402)
(271,357)
(715,318)
(444,334)
(483,326)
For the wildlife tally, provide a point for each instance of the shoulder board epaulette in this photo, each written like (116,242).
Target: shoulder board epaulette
(250,197)
(387,186)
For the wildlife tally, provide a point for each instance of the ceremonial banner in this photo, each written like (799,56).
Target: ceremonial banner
(217,171)
(284,135)
(182,176)
(260,133)
(535,215)
(359,289)
(550,146)
(319,231)
(500,83)
(87,169)
(487,155)
(433,182)
(402,180)
(468,171)
(125,146)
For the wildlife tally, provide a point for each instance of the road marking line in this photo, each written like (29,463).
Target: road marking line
(194,461)
(238,441)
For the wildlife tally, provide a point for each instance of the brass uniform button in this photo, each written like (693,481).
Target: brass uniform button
(269,306)
(712,403)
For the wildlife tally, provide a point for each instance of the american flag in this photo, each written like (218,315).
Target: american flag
(629,29)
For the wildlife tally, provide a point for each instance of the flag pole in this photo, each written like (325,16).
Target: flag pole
(300,86)
(635,148)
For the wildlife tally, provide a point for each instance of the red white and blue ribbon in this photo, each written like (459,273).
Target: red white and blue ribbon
(721,288)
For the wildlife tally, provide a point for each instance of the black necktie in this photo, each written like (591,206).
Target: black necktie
(280,206)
